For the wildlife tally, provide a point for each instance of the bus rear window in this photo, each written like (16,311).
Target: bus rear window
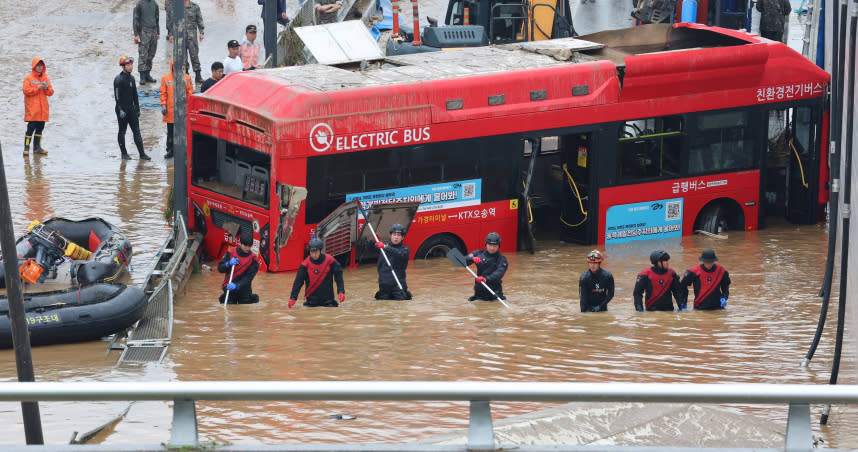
(229,169)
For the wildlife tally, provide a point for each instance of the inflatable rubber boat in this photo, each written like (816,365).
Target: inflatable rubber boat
(71,253)
(75,314)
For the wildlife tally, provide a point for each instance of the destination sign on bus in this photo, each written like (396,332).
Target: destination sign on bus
(445,195)
(644,221)
(322,138)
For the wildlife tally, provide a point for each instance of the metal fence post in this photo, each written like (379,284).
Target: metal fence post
(184,432)
(481,435)
(799,437)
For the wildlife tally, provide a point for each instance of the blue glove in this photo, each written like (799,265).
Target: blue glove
(597,308)
(639,309)
(232,286)
(683,308)
(164,110)
(723,302)
(231,262)
(122,113)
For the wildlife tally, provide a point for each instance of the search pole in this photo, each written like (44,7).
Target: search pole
(17,315)
(180,109)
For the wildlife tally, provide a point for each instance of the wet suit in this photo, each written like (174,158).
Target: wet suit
(492,267)
(660,286)
(127,110)
(319,276)
(596,290)
(387,288)
(709,285)
(243,276)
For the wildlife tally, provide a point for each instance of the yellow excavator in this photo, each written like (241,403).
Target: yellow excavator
(472,23)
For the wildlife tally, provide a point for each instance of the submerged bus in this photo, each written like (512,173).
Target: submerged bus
(650,132)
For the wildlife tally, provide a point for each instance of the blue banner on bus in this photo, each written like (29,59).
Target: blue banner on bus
(644,221)
(445,195)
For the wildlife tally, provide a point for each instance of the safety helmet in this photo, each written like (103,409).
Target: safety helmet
(125,59)
(315,244)
(708,256)
(594,256)
(493,238)
(659,256)
(397,228)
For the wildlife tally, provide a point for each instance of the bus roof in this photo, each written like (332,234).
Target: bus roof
(608,67)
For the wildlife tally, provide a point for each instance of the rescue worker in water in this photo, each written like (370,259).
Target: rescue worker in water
(241,263)
(491,266)
(596,286)
(398,254)
(711,282)
(318,272)
(660,284)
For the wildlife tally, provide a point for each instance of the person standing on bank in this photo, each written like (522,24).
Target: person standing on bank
(398,254)
(327,10)
(37,88)
(193,26)
(319,271)
(773,15)
(249,49)
(660,284)
(127,108)
(491,266)
(245,264)
(596,286)
(147,32)
(232,62)
(217,74)
(711,282)
(168,100)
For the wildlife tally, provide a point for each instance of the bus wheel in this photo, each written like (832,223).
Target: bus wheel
(712,220)
(438,246)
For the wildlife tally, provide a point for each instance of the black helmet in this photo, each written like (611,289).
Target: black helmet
(315,244)
(659,256)
(493,238)
(397,228)
(708,256)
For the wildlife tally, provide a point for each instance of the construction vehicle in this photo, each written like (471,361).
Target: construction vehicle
(472,23)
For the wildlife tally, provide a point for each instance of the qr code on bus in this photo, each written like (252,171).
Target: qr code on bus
(673,210)
(469,190)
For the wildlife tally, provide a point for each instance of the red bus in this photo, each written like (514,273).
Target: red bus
(650,132)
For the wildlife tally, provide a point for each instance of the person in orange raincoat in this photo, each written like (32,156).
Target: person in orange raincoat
(37,88)
(168,100)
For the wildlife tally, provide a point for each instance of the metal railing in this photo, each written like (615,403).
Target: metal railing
(479,394)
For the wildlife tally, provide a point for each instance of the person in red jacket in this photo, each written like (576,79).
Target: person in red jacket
(657,286)
(37,88)
(168,100)
(318,271)
(711,282)
(239,263)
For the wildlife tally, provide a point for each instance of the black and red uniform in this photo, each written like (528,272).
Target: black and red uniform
(661,286)
(709,285)
(242,277)
(492,267)
(319,276)
(596,290)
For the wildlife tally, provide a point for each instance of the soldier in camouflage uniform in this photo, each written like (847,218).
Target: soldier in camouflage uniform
(146,35)
(193,24)
(773,14)
(327,10)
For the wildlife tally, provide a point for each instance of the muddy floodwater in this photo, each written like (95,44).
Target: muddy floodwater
(761,338)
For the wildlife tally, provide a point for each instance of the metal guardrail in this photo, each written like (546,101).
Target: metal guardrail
(479,394)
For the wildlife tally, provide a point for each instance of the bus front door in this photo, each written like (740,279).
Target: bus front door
(574,170)
(290,201)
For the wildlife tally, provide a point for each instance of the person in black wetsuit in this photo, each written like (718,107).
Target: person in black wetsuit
(127,107)
(711,282)
(398,254)
(491,266)
(660,284)
(596,285)
(245,264)
(318,272)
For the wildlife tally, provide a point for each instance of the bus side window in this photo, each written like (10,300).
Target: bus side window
(650,148)
(721,141)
